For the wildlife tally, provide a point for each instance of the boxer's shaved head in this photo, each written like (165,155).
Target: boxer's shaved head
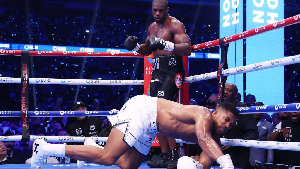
(164,2)
(160,10)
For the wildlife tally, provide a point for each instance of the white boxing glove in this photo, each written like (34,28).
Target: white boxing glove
(225,162)
(186,162)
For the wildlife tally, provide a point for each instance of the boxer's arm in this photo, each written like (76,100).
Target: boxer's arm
(203,132)
(205,160)
(207,143)
(182,41)
(131,44)
(144,48)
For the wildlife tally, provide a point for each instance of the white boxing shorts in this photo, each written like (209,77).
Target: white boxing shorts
(137,120)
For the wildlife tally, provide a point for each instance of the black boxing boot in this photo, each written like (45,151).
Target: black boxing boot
(160,163)
(172,161)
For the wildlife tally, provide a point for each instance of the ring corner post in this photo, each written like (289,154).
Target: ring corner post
(185,86)
(147,74)
(24,95)
(223,65)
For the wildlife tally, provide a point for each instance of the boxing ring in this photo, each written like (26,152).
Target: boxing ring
(57,166)
(25,80)
(70,166)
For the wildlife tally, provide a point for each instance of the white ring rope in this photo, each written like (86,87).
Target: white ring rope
(245,69)
(72,81)
(53,138)
(232,71)
(294,107)
(293,146)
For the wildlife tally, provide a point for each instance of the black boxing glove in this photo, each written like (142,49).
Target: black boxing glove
(160,44)
(131,43)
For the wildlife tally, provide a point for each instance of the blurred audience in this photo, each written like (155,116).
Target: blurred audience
(245,128)
(109,31)
(288,130)
(265,128)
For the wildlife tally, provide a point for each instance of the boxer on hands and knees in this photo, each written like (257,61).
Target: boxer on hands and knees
(168,41)
(135,127)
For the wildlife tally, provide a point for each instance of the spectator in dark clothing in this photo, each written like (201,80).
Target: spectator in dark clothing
(277,119)
(288,130)
(12,129)
(10,155)
(84,126)
(239,97)
(265,128)
(10,145)
(62,132)
(250,100)
(4,158)
(209,104)
(22,153)
(38,129)
(245,128)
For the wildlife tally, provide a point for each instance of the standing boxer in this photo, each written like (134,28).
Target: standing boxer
(168,41)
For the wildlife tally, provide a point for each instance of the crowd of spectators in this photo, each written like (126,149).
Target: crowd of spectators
(292,3)
(69,28)
(107,30)
(86,29)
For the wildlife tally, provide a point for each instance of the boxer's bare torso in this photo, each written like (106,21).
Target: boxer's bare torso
(194,124)
(178,121)
(170,30)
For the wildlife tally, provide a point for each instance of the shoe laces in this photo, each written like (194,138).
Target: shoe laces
(173,157)
(164,157)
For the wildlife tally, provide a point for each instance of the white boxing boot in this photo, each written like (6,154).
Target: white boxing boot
(42,149)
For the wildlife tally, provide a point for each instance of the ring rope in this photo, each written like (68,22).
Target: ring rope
(285,22)
(73,81)
(245,69)
(53,138)
(63,138)
(71,53)
(232,71)
(293,146)
(294,107)
(59,113)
